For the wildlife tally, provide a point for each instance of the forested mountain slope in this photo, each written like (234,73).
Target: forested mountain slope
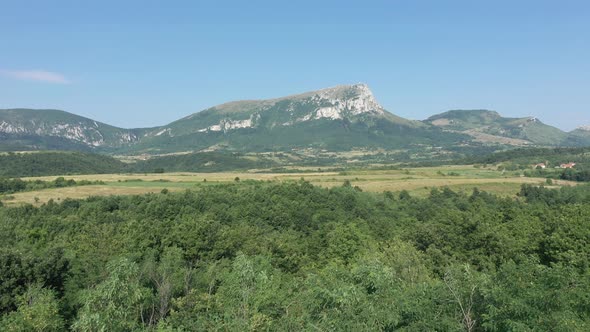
(57,163)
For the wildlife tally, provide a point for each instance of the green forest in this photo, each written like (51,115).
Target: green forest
(9,186)
(267,256)
(68,163)
(57,163)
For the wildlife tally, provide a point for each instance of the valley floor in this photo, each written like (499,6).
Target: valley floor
(417,181)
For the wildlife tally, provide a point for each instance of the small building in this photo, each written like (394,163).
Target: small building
(568,165)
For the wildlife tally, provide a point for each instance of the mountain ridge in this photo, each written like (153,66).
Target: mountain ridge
(490,125)
(339,117)
(332,103)
(29,124)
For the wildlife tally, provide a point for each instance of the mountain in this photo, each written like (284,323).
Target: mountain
(28,129)
(582,131)
(490,127)
(337,103)
(338,118)
(579,136)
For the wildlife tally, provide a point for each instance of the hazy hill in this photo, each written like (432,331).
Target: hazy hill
(28,129)
(579,137)
(490,127)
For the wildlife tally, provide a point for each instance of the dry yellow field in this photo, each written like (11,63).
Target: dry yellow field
(43,196)
(418,181)
(186,177)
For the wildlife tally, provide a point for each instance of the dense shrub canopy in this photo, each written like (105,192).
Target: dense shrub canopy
(292,256)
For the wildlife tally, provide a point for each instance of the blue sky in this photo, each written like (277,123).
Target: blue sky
(146,63)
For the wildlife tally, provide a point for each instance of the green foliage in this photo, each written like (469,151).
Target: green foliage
(64,163)
(525,158)
(21,268)
(38,310)
(532,297)
(249,256)
(9,186)
(199,162)
(564,195)
(57,163)
(116,303)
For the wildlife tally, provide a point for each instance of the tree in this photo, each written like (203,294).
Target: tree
(529,296)
(404,195)
(463,284)
(116,303)
(169,278)
(250,295)
(18,270)
(38,310)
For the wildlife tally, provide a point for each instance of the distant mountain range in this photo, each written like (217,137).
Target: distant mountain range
(489,127)
(335,119)
(28,129)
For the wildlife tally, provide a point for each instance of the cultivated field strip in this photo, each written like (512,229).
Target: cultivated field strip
(418,181)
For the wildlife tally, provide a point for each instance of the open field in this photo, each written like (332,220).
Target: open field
(418,181)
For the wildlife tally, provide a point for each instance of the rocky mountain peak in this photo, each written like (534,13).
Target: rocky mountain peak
(352,99)
(353,102)
(346,91)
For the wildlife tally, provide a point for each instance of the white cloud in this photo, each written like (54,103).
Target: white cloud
(36,75)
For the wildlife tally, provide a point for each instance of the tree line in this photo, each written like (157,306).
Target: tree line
(10,186)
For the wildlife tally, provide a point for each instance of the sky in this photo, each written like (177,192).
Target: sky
(145,63)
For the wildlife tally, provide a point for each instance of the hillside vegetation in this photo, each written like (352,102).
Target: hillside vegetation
(490,127)
(56,163)
(527,157)
(200,162)
(71,163)
(10,186)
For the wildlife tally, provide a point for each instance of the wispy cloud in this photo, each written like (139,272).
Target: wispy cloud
(36,75)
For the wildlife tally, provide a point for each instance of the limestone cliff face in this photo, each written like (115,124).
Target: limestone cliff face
(334,103)
(54,123)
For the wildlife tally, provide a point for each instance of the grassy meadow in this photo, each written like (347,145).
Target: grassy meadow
(417,181)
